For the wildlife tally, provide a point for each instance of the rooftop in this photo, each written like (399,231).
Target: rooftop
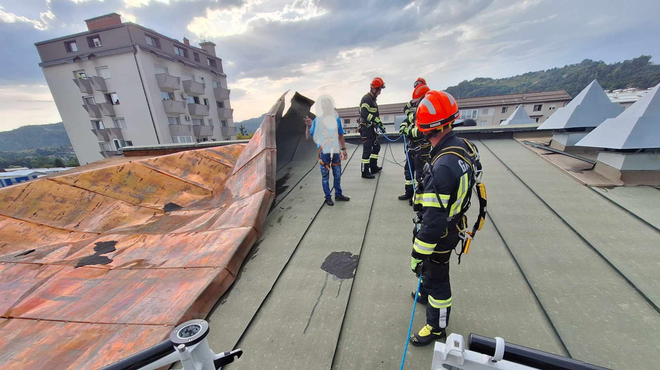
(559,266)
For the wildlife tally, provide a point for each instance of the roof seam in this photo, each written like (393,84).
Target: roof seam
(54,179)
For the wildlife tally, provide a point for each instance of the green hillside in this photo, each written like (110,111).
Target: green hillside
(34,137)
(639,72)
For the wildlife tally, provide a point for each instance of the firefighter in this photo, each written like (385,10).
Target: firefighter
(369,124)
(418,146)
(408,110)
(441,201)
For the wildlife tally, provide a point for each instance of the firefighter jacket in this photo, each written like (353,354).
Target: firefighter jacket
(444,197)
(369,112)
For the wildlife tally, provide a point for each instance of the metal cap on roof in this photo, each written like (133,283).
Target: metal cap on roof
(638,127)
(518,117)
(589,109)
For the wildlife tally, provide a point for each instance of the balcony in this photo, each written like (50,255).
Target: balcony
(174,107)
(108,134)
(194,88)
(225,113)
(167,82)
(93,110)
(98,83)
(201,131)
(228,131)
(221,93)
(107,109)
(181,130)
(84,85)
(198,109)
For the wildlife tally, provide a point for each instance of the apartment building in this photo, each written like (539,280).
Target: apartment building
(121,84)
(487,110)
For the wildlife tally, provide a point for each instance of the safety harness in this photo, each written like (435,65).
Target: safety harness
(474,181)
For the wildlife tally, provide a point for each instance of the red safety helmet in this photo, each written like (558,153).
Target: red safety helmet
(437,110)
(419,92)
(419,81)
(378,83)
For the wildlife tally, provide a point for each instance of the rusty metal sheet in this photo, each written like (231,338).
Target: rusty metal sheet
(72,345)
(119,253)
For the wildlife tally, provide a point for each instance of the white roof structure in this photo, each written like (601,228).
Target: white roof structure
(589,109)
(518,117)
(638,127)
(627,95)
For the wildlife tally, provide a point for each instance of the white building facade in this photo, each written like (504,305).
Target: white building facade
(120,84)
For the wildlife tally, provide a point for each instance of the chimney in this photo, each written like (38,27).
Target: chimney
(186,41)
(103,21)
(208,47)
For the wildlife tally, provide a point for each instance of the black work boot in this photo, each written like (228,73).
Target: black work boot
(342,198)
(423,299)
(367,175)
(329,201)
(405,196)
(426,335)
(376,169)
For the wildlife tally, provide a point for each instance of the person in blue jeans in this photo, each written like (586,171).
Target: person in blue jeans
(328,134)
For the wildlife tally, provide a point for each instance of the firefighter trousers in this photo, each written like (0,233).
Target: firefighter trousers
(370,148)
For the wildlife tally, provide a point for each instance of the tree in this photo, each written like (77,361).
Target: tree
(243,130)
(72,162)
(58,162)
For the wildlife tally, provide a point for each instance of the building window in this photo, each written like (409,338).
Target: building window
(98,125)
(347,121)
(174,120)
(120,123)
(89,100)
(206,101)
(71,46)
(220,104)
(187,76)
(484,123)
(196,57)
(80,74)
(167,95)
(552,107)
(505,109)
(538,107)
(485,112)
(537,119)
(223,123)
(182,139)
(193,99)
(129,142)
(152,41)
(180,51)
(160,70)
(211,62)
(210,122)
(469,114)
(103,72)
(119,144)
(197,122)
(112,98)
(94,41)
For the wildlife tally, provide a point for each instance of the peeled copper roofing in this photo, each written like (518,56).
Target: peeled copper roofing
(101,263)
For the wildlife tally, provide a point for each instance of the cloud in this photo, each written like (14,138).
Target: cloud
(26,105)
(337,46)
(41,23)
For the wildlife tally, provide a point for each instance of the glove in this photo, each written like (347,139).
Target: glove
(402,129)
(381,127)
(416,265)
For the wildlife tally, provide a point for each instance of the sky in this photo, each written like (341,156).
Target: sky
(336,47)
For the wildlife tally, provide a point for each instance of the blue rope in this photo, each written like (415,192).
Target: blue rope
(395,140)
(419,281)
